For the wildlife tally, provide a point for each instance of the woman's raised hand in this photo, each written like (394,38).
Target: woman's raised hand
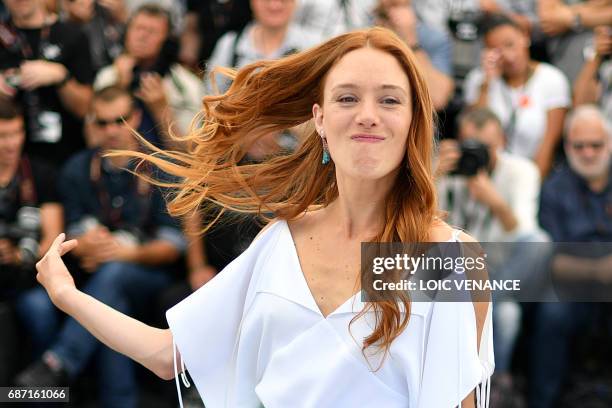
(52,272)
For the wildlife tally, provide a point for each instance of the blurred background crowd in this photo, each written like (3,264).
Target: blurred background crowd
(523,92)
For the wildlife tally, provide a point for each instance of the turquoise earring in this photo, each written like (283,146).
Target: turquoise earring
(326,157)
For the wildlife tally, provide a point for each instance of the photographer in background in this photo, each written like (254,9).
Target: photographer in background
(493,195)
(168,94)
(575,208)
(530,98)
(30,213)
(205,22)
(594,82)
(567,25)
(30,217)
(127,245)
(103,29)
(46,65)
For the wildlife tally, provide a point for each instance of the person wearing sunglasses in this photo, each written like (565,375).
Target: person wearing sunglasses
(575,207)
(128,246)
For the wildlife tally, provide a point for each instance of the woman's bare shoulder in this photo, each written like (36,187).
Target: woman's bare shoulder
(440,231)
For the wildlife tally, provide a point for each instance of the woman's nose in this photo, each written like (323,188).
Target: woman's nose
(368,115)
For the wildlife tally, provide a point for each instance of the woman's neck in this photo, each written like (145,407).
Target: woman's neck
(360,207)
(521,78)
(268,40)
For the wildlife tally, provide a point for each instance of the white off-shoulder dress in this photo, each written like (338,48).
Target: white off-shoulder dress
(254,336)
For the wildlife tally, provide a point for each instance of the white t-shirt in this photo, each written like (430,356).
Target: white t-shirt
(244,51)
(516,179)
(547,89)
(255,336)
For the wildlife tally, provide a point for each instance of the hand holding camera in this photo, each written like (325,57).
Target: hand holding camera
(124,64)
(38,73)
(9,82)
(151,92)
(462,159)
(482,190)
(449,154)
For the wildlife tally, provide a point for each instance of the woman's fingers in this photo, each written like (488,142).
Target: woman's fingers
(67,246)
(57,242)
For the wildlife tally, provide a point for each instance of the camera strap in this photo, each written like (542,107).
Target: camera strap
(112,208)
(27,191)
(514,108)
(20,192)
(14,40)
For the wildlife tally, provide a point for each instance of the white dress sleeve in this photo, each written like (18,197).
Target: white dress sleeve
(455,364)
(453,369)
(206,325)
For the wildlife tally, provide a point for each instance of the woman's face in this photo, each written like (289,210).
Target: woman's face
(513,46)
(273,13)
(366,114)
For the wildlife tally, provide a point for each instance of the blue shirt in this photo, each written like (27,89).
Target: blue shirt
(571,212)
(438,47)
(114,200)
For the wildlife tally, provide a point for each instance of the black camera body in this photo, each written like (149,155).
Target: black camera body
(25,233)
(474,156)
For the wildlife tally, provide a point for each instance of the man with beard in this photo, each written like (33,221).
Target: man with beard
(575,207)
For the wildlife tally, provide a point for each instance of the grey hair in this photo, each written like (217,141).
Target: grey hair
(587,112)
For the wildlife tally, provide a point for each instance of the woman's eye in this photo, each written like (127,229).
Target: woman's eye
(390,101)
(347,99)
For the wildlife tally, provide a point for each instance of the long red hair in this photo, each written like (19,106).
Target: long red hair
(269,96)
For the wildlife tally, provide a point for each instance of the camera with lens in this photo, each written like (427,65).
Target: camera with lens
(25,234)
(13,80)
(474,156)
(465,24)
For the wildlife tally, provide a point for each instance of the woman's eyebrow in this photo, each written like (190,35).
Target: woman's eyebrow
(383,86)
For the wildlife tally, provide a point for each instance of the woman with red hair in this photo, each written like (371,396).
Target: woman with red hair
(283,324)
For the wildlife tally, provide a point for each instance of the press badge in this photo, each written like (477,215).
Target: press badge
(51,52)
(50,130)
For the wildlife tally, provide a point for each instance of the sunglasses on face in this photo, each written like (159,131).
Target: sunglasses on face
(116,121)
(583,145)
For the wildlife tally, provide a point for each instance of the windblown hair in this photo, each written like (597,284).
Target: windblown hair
(269,96)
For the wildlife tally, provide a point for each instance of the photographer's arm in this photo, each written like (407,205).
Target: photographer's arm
(554,127)
(149,346)
(594,13)
(75,96)
(153,253)
(586,86)
(441,85)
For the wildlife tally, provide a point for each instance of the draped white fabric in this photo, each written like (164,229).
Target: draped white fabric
(254,336)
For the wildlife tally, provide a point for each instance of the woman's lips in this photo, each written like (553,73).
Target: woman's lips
(367,138)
